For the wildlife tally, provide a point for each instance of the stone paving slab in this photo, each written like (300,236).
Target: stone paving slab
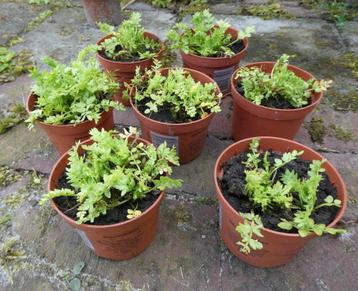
(22,13)
(324,264)
(187,253)
(176,259)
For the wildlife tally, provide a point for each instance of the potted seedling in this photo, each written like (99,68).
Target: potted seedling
(110,188)
(275,195)
(67,101)
(211,47)
(274,98)
(175,105)
(108,11)
(122,50)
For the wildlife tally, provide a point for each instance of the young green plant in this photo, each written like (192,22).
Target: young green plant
(177,93)
(129,42)
(281,83)
(207,37)
(268,191)
(72,94)
(115,170)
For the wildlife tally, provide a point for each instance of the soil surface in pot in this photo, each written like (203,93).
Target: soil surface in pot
(277,102)
(68,205)
(163,114)
(235,47)
(133,58)
(232,186)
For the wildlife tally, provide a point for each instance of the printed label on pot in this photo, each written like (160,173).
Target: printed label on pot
(222,77)
(158,139)
(85,239)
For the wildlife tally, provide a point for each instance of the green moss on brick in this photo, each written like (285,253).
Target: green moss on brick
(317,130)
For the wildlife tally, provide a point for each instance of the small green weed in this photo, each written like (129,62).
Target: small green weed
(13,64)
(317,130)
(273,9)
(8,176)
(12,117)
(39,2)
(11,257)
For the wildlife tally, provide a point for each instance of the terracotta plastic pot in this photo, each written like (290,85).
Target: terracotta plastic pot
(219,69)
(188,138)
(125,71)
(108,11)
(64,137)
(249,119)
(120,241)
(278,248)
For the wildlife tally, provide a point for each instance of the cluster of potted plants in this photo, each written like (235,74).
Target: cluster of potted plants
(275,194)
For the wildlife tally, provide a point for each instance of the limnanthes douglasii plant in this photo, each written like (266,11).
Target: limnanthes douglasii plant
(70,94)
(113,171)
(177,93)
(269,191)
(128,43)
(207,37)
(281,83)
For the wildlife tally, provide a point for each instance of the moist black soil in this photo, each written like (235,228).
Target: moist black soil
(235,47)
(68,205)
(163,114)
(133,58)
(233,183)
(277,102)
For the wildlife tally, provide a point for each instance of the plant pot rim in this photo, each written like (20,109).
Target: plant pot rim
(33,95)
(292,143)
(249,103)
(152,36)
(184,123)
(104,226)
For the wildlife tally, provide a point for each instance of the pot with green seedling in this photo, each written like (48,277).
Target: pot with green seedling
(273,98)
(109,188)
(275,195)
(121,51)
(211,47)
(175,105)
(68,100)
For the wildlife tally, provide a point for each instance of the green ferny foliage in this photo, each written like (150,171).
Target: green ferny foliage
(259,180)
(307,193)
(161,3)
(39,2)
(268,192)
(207,37)
(178,92)
(114,171)
(72,94)
(281,83)
(251,226)
(128,41)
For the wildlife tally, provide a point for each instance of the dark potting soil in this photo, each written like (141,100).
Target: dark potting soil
(133,58)
(68,205)
(232,185)
(235,47)
(273,102)
(163,114)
